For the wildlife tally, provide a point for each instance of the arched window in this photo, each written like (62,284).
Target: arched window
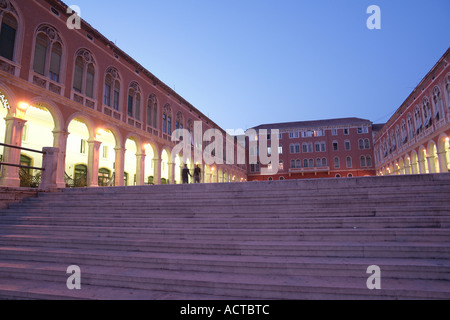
(134,101)
(112,89)
(179,121)
(337,163)
(305,163)
(398,137)
(418,120)
(410,126)
(8,34)
(347,145)
(164,123)
(318,162)
(152,111)
(363,161)
(366,143)
(404,132)
(292,164)
(369,161)
(324,162)
(349,162)
(167,119)
(311,163)
(393,142)
(438,103)
(298,163)
(448,91)
(427,112)
(84,73)
(361,144)
(48,53)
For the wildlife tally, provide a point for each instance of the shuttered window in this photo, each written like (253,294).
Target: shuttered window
(8,36)
(40,54)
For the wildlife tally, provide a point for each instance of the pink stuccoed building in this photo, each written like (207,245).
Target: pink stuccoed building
(319,149)
(73,89)
(415,140)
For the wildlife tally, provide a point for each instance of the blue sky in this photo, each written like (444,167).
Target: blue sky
(250,62)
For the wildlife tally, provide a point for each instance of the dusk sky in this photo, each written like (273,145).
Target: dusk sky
(249,62)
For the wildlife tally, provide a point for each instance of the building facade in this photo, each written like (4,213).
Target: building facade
(318,149)
(73,89)
(415,140)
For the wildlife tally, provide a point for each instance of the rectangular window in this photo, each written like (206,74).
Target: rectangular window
(292,164)
(323,147)
(335,146)
(362,130)
(334,132)
(280,150)
(346,131)
(297,148)
(310,147)
(292,148)
(305,148)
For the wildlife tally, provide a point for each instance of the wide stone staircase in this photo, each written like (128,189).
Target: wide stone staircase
(310,239)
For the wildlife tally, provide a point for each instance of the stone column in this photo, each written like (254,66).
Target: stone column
(157,171)
(50,165)
(93,162)
(422,167)
(60,142)
(13,136)
(140,169)
(442,156)
(431,164)
(171,173)
(119,167)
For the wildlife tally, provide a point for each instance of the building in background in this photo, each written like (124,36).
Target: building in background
(318,149)
(415,140)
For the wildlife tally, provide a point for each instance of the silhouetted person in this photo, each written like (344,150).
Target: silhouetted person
(185,175)
(197,172)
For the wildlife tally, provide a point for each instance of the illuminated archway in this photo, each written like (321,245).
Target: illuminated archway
(150,152)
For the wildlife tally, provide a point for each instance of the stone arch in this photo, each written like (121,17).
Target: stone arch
(86,120)
(423,164)
(432,158)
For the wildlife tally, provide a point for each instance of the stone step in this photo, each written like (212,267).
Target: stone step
(386,249)
(243,286)
(236,223)
(220,194)
(255,212)
(156,234)
(293,266)
(17,289)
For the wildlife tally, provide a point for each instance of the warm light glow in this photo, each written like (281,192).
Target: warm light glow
(23,106)
(447,139)
(101,132)
(147,146)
